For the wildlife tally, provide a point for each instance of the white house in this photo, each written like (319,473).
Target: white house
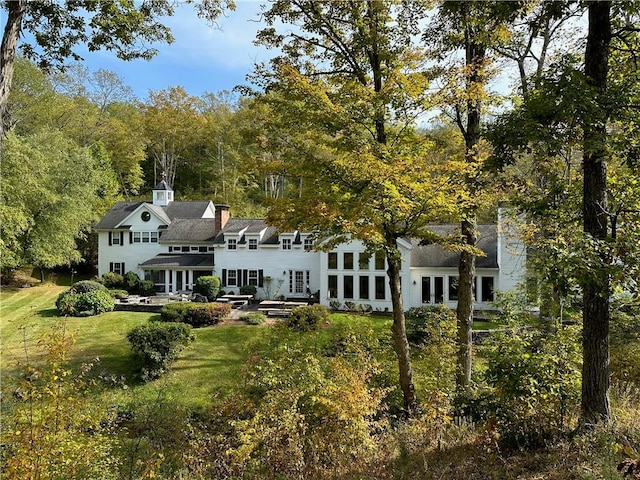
(173,243)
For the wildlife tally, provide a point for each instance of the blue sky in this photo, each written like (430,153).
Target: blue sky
(201,59)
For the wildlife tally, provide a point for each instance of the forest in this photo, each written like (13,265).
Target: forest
(373,120)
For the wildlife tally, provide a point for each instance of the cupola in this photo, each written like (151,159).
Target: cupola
(162,194)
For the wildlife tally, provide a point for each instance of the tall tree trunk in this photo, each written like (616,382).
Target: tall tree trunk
(475,59)
(16,10)
(596,290)
(400,343)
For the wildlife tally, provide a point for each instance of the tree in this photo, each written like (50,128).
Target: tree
(51,192)
(474,27)
(127,28)
(349,88)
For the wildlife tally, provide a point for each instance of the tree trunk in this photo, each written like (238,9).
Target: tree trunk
(464,312)
(596,290)
(400,342)
(475,59)
(16,10)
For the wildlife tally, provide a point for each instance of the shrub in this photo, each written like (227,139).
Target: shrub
(157,345)
(119,294)
(430,323)
(92,302)
(85,286)
(248,290)
(66,303)
(203,314)
(308,318)
(351,306)
(255,318)
(131,282)
(195,314)
(175,312)
(335,304)
(209,286)
(535,379)
(146,288)
(112,280)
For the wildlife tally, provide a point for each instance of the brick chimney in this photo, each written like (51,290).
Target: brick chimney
(222,216)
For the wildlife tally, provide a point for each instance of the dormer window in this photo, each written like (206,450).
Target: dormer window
(286,244)
(253,244)
(232,244)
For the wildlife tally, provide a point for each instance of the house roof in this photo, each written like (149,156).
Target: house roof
(186,260)
(250,226)
(190,229)
(436,256)
(121,210)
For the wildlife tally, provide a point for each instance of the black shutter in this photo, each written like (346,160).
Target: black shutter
(244,278)
(261,278)
(121,239)
(224,277)
(239,278)
(110,238)
(122,268)
(130,238)
(111,266)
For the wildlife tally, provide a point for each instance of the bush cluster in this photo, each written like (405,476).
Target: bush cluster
(248,290)
(157,345)
(195,314)
(430,323)
(308,318)
(130,282)
(255,318)
(84,299)
(209,286)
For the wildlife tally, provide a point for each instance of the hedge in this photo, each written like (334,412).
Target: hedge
(195,314)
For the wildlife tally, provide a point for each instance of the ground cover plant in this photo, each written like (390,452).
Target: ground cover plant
(246,402)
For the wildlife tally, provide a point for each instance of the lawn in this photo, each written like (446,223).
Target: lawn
(208,366)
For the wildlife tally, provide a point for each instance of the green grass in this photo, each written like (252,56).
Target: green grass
(207,367)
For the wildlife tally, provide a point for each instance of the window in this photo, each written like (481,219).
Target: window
(379,260)
(453,288)
(137,236)
(184,249)
(154,237)
(116,267)
(145,216)
(333,261)
(348,261)
(438,289)
(232,278)
(363,261)
(426,289)
(232,244)
(145,237)
(157,277)
(380,288)
(253,277)
(194,249)
(486,285)
(364,288)
(348,286)
(308,244)
(115,239)
(286,244)
(202,249)
(333,286)
(253,244)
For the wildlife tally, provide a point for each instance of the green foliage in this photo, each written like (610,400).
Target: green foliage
(431,324)
(131,282)
(112,280)
(308,318)
(204,314)
(248,290)
(146,288)
(85,286)
(305,414)
(255,318)
(90,302)
(209,286)
(535,383)
(195,314)
(119,294)
(51,428)
(157,345)
(51,191)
